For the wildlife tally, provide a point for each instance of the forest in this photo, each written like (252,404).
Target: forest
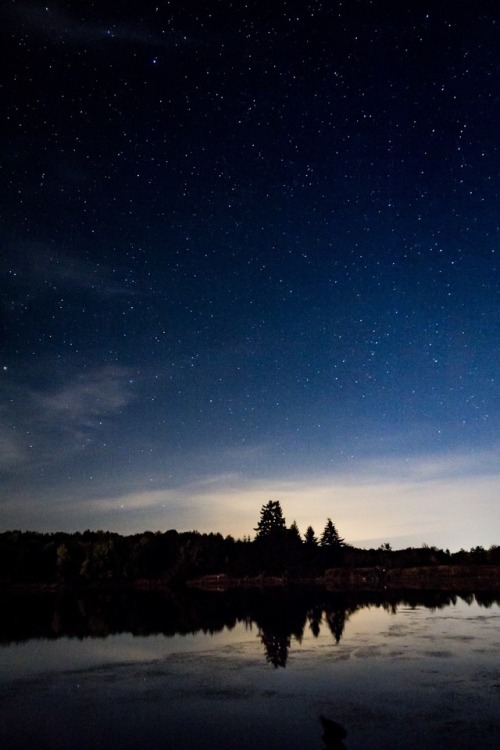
(173,558)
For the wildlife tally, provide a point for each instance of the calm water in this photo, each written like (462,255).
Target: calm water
(249,671)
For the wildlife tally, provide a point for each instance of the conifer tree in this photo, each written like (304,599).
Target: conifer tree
(294,533)
(271,520)
(330,536)
(310,537)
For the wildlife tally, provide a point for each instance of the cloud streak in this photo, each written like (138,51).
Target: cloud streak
(404,505)
(372,508)
(89,397)
(44,426)
(57,26)
(35,270)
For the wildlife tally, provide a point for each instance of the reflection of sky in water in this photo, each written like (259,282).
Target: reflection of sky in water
(40,656)
(431,678)
(461,622)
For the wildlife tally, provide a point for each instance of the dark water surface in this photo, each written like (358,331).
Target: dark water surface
(249,670)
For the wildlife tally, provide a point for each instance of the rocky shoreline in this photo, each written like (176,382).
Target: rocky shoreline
(451,578)
(429,578)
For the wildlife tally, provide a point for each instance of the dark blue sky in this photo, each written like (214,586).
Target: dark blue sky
(251,251)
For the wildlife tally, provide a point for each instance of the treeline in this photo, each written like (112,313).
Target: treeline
(172,557)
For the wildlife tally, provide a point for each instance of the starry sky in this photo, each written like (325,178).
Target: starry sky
(250,252)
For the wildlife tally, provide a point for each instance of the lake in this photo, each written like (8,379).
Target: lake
(249,670)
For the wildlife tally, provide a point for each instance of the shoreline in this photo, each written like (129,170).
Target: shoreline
(426,578)
(452,578)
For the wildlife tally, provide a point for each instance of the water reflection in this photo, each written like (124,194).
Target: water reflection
(412,671)
(279,616)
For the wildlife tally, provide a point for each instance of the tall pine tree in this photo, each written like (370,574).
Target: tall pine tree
(310,537)
(330,536)
(271,520)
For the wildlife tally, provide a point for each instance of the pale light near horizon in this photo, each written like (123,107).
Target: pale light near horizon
(404,503)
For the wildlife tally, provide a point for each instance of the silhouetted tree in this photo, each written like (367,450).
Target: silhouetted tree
(294,533)
(310,537)
(330,536)
(493,555)
(271,520)
(272,542)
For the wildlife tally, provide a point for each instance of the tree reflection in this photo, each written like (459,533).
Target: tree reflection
(280,617)
(275,647)
(335,620)
(315,617)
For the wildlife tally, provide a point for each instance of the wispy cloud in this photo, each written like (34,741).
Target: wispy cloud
(36,270)
(433,507)
(44,426)
(429,467)
(57,25)
(447,500)
(90,396)
(11,448)
(369,508)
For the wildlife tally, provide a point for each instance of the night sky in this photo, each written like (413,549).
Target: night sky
(250,252)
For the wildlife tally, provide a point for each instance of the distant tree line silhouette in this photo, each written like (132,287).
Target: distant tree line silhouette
(173,557)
